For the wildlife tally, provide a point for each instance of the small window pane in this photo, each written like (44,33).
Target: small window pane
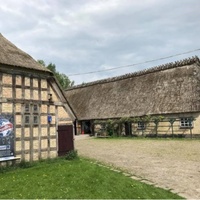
(141,125)
(186,122)
(27,108)
(27,119)
(35,108)
(35,119)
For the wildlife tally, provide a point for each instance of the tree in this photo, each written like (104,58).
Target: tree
(41,62)
(64,81)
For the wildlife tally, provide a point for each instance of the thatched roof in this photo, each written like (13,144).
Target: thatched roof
(169,88)
(13,56)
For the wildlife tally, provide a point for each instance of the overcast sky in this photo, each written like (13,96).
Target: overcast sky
(80,36)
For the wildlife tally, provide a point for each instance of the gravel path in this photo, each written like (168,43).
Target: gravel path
(170,164)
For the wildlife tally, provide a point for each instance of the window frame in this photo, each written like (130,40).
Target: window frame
(141,125)
(27,108)
(185,123)
(25,117)
(37,108)
(37,117)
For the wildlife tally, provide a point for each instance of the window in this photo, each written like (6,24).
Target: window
(186,122)
(27,108)
(27,119)
(35,108)
(141,125)
(35,119)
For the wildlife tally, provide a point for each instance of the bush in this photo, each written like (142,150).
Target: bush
(25,164)
(71,155)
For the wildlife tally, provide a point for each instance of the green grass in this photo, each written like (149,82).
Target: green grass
(77,179)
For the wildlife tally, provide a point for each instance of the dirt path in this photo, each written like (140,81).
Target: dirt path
(170,164)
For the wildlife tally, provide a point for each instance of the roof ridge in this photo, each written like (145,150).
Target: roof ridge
(186,61)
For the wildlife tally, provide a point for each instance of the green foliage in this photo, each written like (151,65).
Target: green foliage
(25,164)
(172,120)
(71,155)
(4,169)
(112,125)
(125,119)
(41,62)
(62,78)
(79,179)
(157,119)
(146,119)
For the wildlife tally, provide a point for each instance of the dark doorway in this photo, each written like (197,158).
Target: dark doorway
(75,127)
(86,127)
(65,139)
(128,128)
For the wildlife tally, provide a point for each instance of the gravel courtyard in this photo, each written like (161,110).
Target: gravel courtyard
(170,164)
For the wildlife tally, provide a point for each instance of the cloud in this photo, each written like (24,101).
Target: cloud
(88,35)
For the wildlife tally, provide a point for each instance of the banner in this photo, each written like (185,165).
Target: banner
(6,135)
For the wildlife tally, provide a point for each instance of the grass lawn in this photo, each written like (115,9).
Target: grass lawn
(77,179)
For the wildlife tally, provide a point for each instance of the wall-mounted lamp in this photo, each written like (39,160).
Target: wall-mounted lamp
(50,97)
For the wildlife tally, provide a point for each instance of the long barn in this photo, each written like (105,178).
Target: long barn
(171,91)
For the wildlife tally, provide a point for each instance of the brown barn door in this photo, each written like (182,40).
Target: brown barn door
(65,139)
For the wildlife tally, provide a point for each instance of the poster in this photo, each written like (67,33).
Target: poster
(6,135)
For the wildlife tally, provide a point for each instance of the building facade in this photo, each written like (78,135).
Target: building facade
(32,106)
(170,92)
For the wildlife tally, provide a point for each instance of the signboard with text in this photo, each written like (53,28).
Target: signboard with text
(6,135)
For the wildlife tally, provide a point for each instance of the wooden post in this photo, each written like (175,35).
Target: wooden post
(191,119)
(172,120)
(39,120)
(23,121)
(156,121)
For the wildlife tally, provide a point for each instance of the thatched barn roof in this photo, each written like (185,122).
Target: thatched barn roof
(169,88)
(13,56)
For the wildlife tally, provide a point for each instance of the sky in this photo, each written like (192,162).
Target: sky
(80,36)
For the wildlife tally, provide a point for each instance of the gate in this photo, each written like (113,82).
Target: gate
(65,139)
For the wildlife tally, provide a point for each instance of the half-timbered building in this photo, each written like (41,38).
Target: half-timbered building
(32,107)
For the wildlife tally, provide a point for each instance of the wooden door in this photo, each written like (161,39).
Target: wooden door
(65,139)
